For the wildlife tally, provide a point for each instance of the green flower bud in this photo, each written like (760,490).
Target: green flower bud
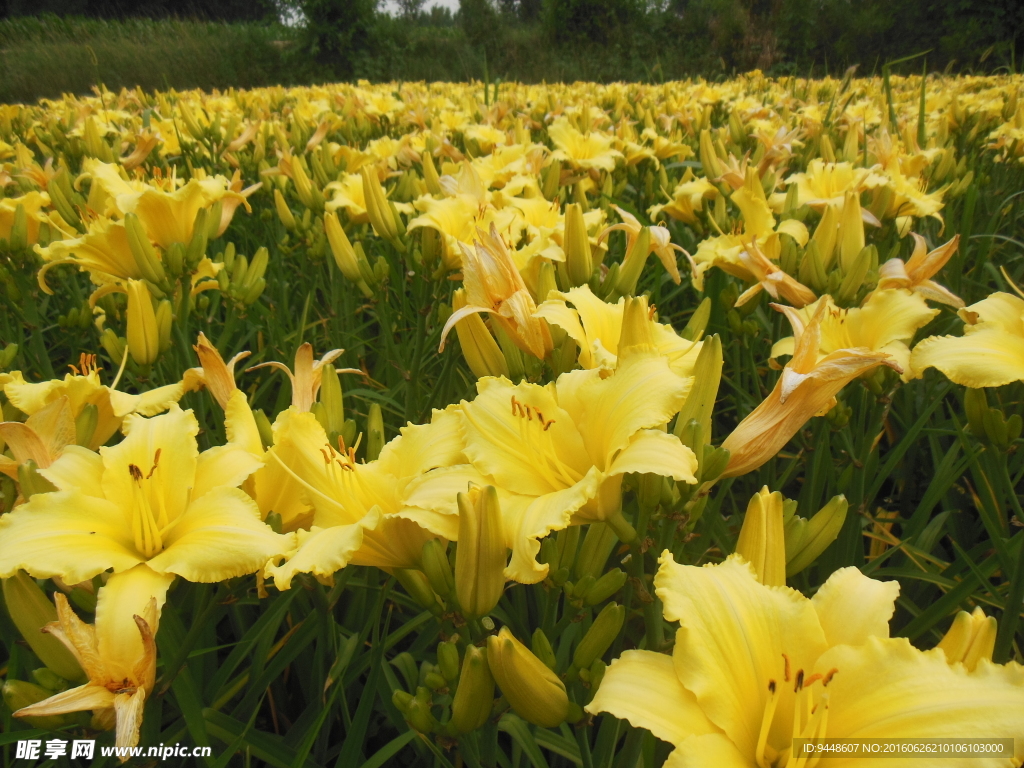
(374,432)
(31,610)
(698,321)
(30,482)
(471,706)
(49,679)
(19,694)
(418,586)
(578,257)
(531,688)
(196,249)
(438,570)
(597,547)
(285,213)
(146,257)
(600,636)
(807,539)
(762,540)
(481,557)
(542,649)
(85,425)
(701,399)
(605,587)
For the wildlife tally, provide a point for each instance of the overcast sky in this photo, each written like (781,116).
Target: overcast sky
(453,4)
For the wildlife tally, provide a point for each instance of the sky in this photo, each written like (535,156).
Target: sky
(452,4)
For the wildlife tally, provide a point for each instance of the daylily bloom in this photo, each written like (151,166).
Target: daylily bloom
(359,510)
(826,184)
(886,323)
(916,273)
(755,667)
(152,498)
(494,285)
(305,379)
(771,278)
(583,150)
(991,351)
(40,439)
(83,388)
(560,451)
(118,653)
(596,326)
(687,199)
(807,387)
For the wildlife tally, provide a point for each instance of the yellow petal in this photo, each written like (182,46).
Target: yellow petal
(732,637)
(240,424)
(422,447)
(851,607)
(1003,309)
(124,596)
(65,534)
(795,229)
(988,357)
(711,749)
(322,551)
(886,688)
(658,453)
(128,708)
(80,699)
(396,542)
(77,469)
(223,465)
(149,403)
(642,687)
(163,448)
(219,536)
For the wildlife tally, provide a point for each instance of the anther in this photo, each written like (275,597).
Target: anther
(135,473)
(786,674)
(828,676)
(156,463)
(799,681)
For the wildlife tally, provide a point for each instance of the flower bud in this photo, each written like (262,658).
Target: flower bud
(287,217)
(605,587)
(191,124)
(481,351)
(435,565)
(418,587)
(344,255)
(971,638)
(304,187)
(333,400)
(597,546)
(196,249)
(480,558)
(807,539)
(113,345)
(708,158)
(448,660)
(851,230)
(85,425)
(578,257)
(143,331)
(762,540)
(542,649)
(374,432)
(31,610)
(825,235)
(430,176)
(633,263)
(553,180)
(637,332)
(534,691)
(49,679)
(377,209)
(471,706)
(164,319)
(853,278)
(707,375)
(417,709)
(600,636)
(698,323)
(146,257)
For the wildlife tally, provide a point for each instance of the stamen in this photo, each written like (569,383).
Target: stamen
(766,724)
(786,674)
(156,463)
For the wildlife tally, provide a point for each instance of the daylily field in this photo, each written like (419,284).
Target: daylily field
(480,425)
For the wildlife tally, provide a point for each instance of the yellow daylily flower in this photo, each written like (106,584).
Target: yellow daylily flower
(916,273)
(755,667)
(885,323)
(359,513)
(825,183)
(991,351)
(771,278)
(458,219)
(40,439)
(596,327)
(83,388)
(970,639)
(590,150)
(560,451)
(494,286)
(661,242)
(32,203)
(118,653)
(687,199)
(305,379)
(152,498)
(807,387)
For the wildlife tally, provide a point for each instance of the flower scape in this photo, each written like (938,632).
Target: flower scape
(502,425)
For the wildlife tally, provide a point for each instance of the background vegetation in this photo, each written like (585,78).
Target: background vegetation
(227,43)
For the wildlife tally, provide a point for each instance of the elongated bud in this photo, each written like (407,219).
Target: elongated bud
(553,180)
(698,323)
(481,352)
(851,230)
(854,277)
(257,268)
(164,319)
(344,255)
(196,249)
(708,158)
(762,540)
(825,235)
(600,636)
(437,568)
(542,649)
(417,711)
(145,255)
(971,638)
(63,205)
(713,463)
(49,679)
(19,694)
(633,263)
(825,148)
(605,587)
(597,547)
(374,432)
(381,218)
(480,559)
(191,124)
(807,539)
(85,425)
(812,270)
(113,345)
(175,258)
(333,400)
(143,331)
(31,610)
(448,659)
(264,427)
(701,399)
(534,691)
(284,213)
(418,586)
(474,697)
(430,176)
(578,257)
(303,186)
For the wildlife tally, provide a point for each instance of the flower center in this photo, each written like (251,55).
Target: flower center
(540,448)
(810,719)
(147,524)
